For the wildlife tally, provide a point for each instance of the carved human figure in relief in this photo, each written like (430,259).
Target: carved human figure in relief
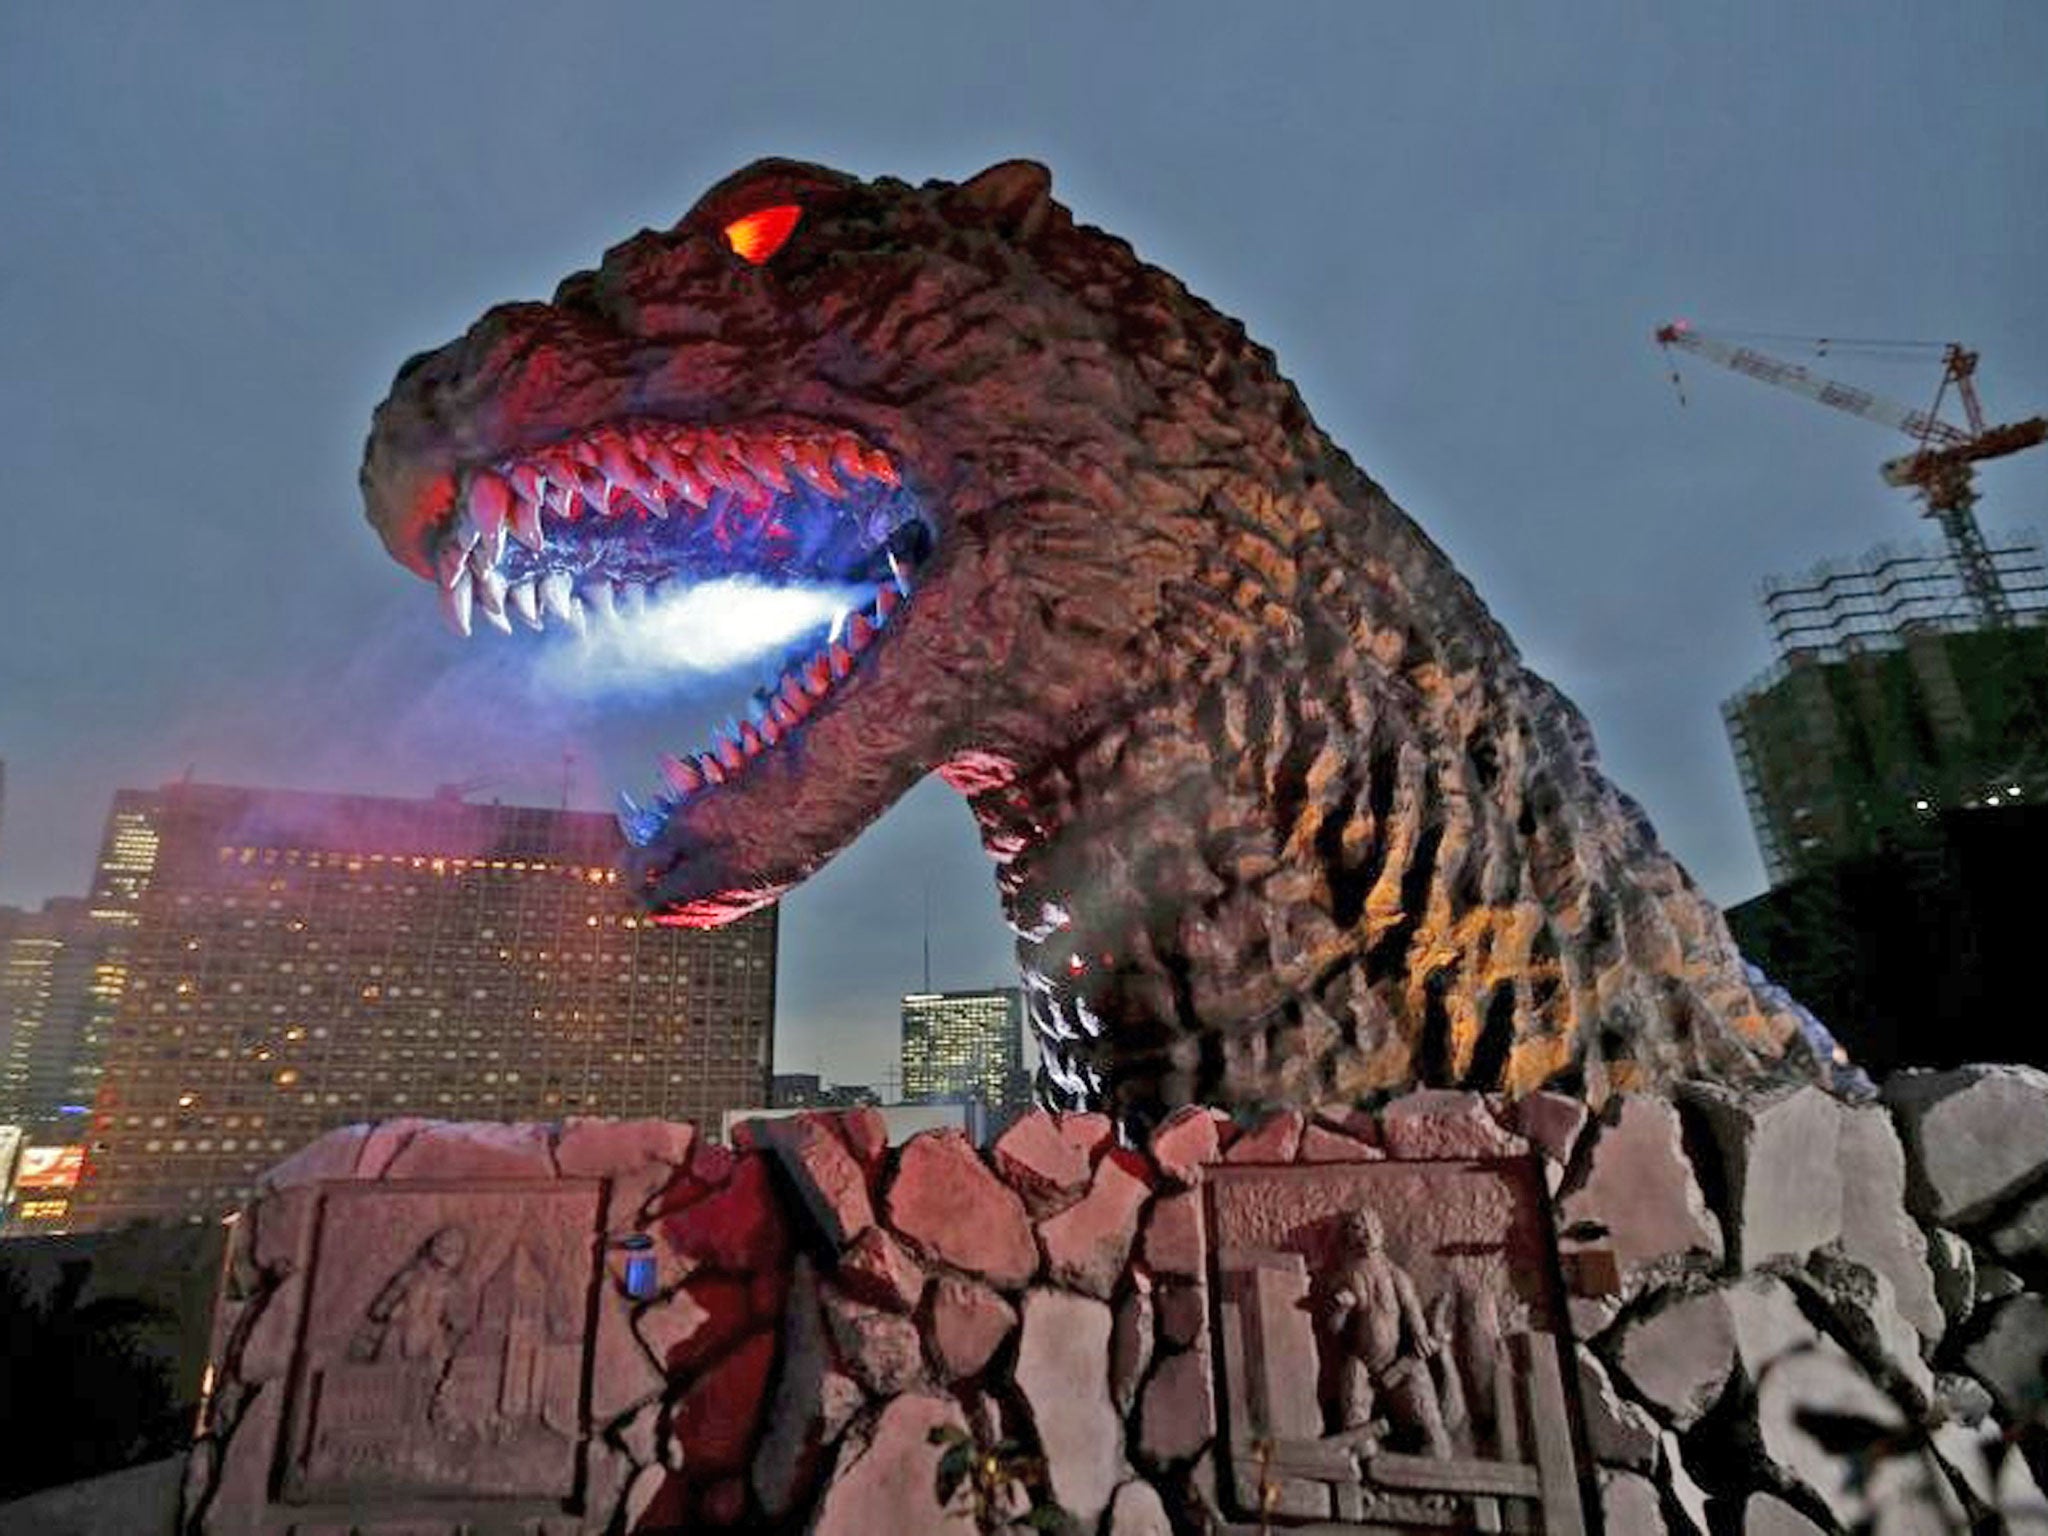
(1383,1343)
(421,1308)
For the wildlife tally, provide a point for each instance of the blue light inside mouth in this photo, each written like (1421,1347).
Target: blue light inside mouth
(686,634)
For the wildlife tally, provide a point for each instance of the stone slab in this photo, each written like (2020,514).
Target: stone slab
(1086,1244)
(1973,1136)
(885,1482)
(1635,1192)
(1779,1166)
(1445,1123)
(1438,1273)
(1063,1373)
(952,1208)
(445,1350)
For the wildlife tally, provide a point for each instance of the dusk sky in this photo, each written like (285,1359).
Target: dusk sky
(222,228)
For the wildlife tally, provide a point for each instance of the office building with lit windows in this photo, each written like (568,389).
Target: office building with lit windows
(293,962)
(965,1045)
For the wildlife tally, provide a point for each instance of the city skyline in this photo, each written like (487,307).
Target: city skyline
(1457,231)
(288,962)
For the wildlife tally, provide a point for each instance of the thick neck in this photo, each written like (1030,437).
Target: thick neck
(1347,844)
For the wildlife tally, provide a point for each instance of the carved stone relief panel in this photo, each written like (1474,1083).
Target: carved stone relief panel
(1392,1348)
(446,1345)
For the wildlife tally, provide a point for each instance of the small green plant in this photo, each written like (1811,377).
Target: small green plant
(1005,1485)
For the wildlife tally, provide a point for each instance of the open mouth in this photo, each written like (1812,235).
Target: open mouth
(609,530)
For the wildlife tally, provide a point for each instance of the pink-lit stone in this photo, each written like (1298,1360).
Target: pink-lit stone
(1042,1165)
(1086,1245)
(829,1179)
(968,1324)
(1185,1140)
(878,1271)
(1274,1140)
(950,1207)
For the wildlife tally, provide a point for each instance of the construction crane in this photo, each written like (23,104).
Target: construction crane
(1940,468)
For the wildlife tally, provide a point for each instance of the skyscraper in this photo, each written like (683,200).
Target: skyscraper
(50,967)
(959,1045)
(292,962)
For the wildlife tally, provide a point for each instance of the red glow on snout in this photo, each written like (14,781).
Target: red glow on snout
(760,235)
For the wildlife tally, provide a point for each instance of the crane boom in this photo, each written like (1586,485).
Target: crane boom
(1920,425)
(1939,468)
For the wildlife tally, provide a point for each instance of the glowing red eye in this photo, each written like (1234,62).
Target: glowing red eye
(760,235)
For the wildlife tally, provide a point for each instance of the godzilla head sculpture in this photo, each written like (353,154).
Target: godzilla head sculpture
(1279,814)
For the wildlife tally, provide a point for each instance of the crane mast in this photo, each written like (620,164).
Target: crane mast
(1939,469)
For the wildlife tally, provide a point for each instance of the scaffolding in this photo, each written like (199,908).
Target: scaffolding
(1890,700)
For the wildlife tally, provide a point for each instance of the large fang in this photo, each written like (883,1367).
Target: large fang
(490,597)
(489,503)
(526,521)
(558,594)
(452,558)
(456,601)
(524,602)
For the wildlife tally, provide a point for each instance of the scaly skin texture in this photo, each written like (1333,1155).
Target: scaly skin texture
(1279,815)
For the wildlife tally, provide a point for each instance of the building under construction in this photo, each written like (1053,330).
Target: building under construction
(1895,760)
(1890,703)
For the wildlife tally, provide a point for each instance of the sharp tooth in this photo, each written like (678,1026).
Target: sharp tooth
(564,500)
(771,733)
(656,507)
(598,594)
(711,768)
(616,464)
(902,577)
(658,459)
(690,485)
(848,458)
(728,752)
(456,602)
(763,462)
(817,676)
(744,485)
(526,520)
(887,601)
(451,558)
(490,597)
(558,594)
(879,468)
(489,503)
(595,489)
(780,713)
(524,602)
(815,466)
(838,626)
(750,739)
(792,693)
(842,661)
(682,777)
(710,466)
(859,633)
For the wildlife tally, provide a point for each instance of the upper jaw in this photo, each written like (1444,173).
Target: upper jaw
(564,527)
(586,529)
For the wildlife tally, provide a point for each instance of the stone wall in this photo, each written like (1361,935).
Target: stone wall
(1781,1313)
